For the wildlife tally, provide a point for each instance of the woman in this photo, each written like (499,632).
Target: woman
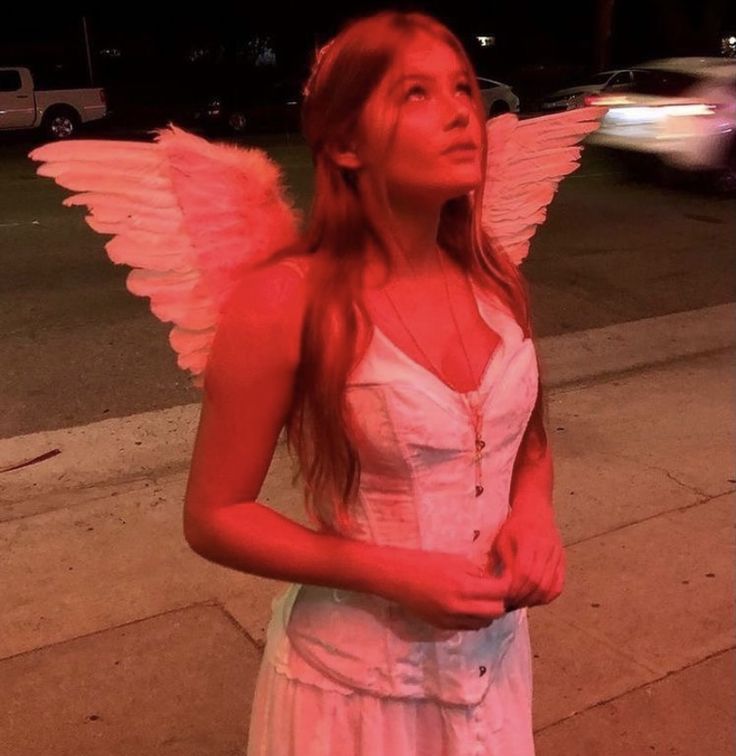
(394,344)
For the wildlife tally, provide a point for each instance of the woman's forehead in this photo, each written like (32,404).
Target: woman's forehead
(426,56)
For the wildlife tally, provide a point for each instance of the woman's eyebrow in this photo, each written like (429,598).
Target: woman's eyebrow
(458,73)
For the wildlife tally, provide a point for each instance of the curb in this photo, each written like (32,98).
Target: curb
(122,450)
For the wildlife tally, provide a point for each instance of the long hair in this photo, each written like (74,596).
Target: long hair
(346,214)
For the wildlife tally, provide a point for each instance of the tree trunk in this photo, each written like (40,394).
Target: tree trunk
(603,33)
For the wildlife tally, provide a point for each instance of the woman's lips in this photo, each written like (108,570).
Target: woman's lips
(462,152)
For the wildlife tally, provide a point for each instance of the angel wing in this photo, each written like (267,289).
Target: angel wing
(188,215)
(527,159)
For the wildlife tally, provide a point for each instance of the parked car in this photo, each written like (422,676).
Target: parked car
(247,105)
(58,113)
(681,110)
(498,98)
(573,97)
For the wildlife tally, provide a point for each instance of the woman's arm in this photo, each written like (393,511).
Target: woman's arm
(251,537)
(532,480)
(248,388)
(529,540)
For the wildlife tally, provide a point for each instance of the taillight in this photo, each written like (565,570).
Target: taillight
(590,99)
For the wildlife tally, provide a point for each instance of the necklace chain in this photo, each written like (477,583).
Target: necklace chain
(473,407)
(452,313)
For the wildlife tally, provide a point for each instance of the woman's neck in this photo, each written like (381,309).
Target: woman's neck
(415,224)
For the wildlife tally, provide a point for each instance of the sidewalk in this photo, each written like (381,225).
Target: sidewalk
(115,638)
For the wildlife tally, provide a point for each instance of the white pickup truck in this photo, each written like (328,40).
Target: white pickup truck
(58,112)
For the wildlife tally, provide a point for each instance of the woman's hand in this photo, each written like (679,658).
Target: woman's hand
(534,552)
(447,590)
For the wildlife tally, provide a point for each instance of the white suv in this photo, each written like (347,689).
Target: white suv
(572,97)
(680,109)
(497,97)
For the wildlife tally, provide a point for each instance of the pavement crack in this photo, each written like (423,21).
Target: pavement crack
(680,483)
(636,688)
(258,645)
(649,466)
(624,525)
(69,639)
(602,639)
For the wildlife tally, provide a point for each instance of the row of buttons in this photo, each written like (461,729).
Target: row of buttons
(482,669)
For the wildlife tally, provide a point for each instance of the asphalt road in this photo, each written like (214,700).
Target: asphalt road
(78,347)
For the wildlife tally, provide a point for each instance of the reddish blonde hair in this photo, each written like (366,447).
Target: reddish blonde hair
(344,217)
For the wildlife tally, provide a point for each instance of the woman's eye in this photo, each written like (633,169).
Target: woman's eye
(415,88)
(418,89)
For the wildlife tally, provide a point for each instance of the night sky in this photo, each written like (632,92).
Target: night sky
(557,37)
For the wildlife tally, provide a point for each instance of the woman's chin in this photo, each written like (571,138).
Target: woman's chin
(460,189)
(438,195)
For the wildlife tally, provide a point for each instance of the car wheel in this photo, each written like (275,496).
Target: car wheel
(498,108)
(725,179)
(668,175)
(237,122)
(60,123)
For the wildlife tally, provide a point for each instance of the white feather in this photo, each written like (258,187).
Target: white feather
(187,215)
(526,162)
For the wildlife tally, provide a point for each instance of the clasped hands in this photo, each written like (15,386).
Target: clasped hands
(532,548)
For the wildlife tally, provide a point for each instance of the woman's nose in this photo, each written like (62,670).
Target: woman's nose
(458,110)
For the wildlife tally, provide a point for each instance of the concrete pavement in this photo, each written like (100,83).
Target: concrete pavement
(115,638)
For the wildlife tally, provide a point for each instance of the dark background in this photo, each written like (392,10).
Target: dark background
(167,56)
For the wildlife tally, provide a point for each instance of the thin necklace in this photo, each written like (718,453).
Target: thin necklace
(472,407)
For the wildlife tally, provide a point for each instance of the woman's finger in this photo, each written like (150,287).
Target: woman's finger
(546,572)
(533,576)
(559,581)
(523,573)
(551,579)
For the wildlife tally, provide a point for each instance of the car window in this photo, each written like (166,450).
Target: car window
(601,78)
(622,77)
(9,81)
(663,83)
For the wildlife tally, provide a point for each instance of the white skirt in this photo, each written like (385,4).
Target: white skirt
(291,717)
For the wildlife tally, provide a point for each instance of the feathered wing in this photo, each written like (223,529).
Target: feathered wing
(527,159)
(188,215)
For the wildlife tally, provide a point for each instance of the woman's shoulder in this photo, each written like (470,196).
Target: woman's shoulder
(271,283)
(287,272)
(268,303)
(297,264)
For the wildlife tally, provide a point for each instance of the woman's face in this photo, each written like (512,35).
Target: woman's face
(429,89)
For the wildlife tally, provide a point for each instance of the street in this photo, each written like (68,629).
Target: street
(82,348)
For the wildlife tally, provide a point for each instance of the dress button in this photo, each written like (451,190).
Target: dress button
(476,533)
(482,670)
(478,490)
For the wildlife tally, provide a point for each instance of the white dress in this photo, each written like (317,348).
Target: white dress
(337,680)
